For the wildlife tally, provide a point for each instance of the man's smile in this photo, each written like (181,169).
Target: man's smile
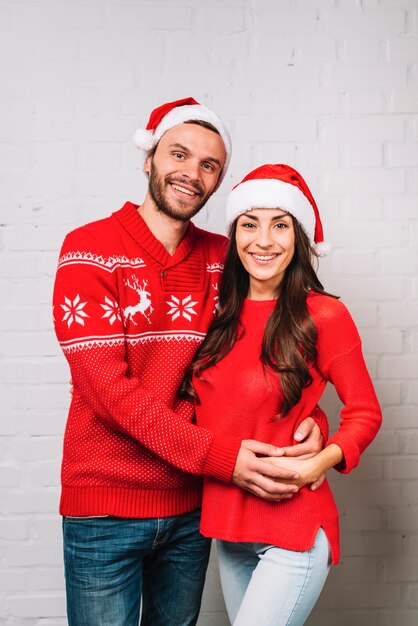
(182,189)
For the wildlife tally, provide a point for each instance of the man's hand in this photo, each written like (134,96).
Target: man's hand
(260,478)
(310,438)
(311,442)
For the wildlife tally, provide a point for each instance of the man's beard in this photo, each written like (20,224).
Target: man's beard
(156,186)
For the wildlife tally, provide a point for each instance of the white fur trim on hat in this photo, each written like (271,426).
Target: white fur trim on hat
(144,139)
(271,193)
(322,248)
(186,113)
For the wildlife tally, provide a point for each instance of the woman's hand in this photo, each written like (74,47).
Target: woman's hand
(309,470)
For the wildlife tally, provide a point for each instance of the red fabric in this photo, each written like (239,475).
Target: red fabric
(129,318)
(240,398)
(287,174)
(158,113)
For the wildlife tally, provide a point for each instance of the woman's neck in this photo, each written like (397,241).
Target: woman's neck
(262,290)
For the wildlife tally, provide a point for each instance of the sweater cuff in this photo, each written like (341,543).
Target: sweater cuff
(350,451)
(222,457)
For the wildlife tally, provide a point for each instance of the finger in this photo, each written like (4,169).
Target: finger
(299,450)
(274,472)
(255,491)
(270,489)
(274,487)
(318,483)
(265,495)
(258,447)
(304,429)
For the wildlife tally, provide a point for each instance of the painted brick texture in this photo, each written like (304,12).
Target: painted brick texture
(328,86)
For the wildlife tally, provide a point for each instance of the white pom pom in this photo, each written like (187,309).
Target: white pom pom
(322,248)
(144,139)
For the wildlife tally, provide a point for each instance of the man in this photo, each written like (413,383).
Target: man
(134,296)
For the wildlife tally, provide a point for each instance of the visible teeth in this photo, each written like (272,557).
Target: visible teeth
(183,190)
(264,257)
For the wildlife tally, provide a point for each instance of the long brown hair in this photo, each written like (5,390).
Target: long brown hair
(290,335)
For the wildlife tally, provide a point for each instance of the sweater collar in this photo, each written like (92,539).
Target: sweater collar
(131,220)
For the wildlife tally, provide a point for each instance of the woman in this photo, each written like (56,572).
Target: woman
(277,341)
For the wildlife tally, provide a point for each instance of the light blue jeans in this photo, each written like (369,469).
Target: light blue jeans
(111,562)
(266,585)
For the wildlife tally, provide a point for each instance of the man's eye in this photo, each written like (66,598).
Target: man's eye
(209,167)
(179,155)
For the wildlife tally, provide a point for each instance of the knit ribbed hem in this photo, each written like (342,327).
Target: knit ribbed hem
(120,502)
(222,457)
(350,451)
(303,540)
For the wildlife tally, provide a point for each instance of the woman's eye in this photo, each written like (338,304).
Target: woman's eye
(281,225)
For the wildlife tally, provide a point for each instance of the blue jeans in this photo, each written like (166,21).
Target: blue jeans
(111,563)
(271,586)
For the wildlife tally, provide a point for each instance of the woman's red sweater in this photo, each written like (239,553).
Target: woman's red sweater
(240,397)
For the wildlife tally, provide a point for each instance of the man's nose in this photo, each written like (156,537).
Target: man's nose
(191,169)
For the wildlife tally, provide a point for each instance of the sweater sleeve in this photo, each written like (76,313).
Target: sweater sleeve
(341,361)
(101,372)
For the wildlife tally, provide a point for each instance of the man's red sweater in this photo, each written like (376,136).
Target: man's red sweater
(240,397)
(129,318)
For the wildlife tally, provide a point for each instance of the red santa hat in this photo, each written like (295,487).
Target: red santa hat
(172,114)
(281,187)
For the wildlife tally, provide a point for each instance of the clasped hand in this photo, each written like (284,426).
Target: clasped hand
(271,473)
(308,470)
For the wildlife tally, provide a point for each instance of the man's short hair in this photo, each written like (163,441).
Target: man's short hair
(207,125)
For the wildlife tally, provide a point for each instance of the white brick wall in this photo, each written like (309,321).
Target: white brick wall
(326,85)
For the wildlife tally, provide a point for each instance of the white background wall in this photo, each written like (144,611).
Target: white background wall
(328,86)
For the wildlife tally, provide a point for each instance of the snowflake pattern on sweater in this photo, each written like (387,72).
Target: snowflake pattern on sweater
(129,318)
